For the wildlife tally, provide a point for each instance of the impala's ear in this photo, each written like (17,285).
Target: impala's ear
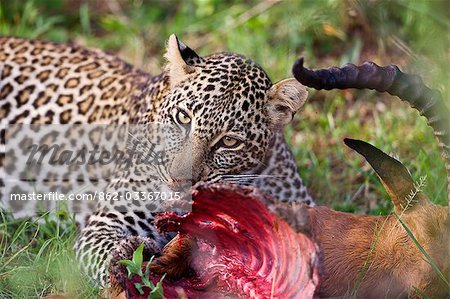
(392,173)
(284,99)
(181,60)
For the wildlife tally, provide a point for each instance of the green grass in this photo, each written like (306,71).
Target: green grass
(36,257)
(412,34)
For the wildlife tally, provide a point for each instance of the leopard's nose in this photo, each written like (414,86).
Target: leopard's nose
(186,169)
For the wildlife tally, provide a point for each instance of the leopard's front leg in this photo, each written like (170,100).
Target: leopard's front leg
(112,234)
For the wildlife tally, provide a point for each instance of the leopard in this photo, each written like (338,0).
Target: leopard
(225,103)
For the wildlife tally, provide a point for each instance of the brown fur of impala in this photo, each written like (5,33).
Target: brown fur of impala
(373,256)
(378,253)
(368,256)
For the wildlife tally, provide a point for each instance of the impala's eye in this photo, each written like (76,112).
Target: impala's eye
(229,142)
(183,118)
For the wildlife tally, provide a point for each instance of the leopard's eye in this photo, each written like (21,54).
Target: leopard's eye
(182,118)
(230,142)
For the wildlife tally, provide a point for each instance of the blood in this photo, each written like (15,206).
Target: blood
(242,249)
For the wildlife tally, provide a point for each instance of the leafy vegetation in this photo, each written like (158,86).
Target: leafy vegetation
(134,267)
(36,255)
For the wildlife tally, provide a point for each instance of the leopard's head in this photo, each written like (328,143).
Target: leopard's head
(229,108)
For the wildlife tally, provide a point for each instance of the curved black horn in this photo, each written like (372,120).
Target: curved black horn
(409,88)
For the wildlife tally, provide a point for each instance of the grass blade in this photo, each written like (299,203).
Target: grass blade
(427,256)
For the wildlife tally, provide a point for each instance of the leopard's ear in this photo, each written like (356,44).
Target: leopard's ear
(181,60)
(284,99)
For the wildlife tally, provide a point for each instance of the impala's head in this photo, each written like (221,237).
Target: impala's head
(429,223)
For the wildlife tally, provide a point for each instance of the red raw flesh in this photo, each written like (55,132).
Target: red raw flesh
(243,249)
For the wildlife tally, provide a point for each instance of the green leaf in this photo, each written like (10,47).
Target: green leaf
(139,286)
(147,268)
(125,262)
(146,281)
(138,255)
(132,268)
(158,291)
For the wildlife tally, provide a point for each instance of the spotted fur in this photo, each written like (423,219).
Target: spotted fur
(235,117)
